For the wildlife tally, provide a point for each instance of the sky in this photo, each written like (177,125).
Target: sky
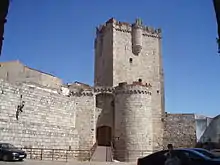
(57,36)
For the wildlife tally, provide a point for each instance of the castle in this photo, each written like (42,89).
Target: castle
(125,108)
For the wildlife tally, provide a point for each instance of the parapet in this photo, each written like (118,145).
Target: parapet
(104,90)
(134,88)
(82,93)
(127,28)
(91,92)
(79,89)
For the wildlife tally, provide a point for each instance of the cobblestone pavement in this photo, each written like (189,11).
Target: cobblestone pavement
(34,162)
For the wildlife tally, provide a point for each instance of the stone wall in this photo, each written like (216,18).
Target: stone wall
(180,130)
(129,67)
(114,56)
(104,57)
(104,109)
(48,119)
(133,122)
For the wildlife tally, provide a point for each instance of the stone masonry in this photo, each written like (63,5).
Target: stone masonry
(115,45)
(124,109)
(180,130)
(48,119)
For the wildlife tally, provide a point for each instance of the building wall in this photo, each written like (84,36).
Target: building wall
(144,66)
(212,132)
(104,56)
(11,71)
(202,122)
(104,108)
(48,120)
(14,71)
(113,49)
(180,130)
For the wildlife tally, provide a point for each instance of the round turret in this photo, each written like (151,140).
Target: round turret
(133,122)
(137,33)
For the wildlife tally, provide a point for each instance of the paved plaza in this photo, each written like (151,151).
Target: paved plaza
(35,162)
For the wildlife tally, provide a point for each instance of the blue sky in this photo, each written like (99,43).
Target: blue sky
(56,36)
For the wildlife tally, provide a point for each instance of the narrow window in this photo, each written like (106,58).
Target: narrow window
(130,60)
(154,52)
(139,80)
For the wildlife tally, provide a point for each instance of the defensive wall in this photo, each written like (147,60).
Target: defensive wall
(40,117)
(180,130)
(48,119)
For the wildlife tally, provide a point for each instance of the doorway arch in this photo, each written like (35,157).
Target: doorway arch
(104,136)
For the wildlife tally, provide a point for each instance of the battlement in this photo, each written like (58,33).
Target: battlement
(82,93)
(134,88)
(135,83)
(104,90)
(22,86)
(127,27)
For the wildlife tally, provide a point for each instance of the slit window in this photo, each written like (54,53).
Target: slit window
(130,60)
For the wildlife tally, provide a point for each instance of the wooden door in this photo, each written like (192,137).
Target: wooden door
(104,136)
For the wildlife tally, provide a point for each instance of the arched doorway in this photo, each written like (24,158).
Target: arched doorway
(104,136)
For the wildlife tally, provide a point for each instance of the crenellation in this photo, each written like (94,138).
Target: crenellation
(132,89)
(127,28)
(81,94)
(104,90)
(101,29)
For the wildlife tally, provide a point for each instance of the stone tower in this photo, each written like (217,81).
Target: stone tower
(132,53)
(133,124)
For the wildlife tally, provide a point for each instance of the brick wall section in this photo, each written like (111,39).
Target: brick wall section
(48,120)
(180,130)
